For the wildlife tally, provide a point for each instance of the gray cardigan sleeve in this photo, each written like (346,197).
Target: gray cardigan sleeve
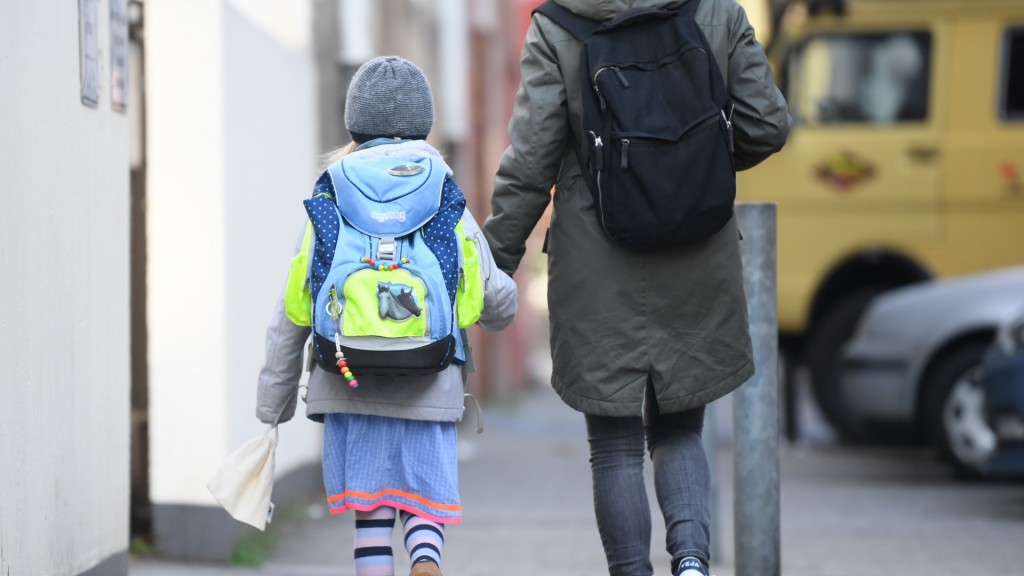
(278,381)
(282,368)
(501,295)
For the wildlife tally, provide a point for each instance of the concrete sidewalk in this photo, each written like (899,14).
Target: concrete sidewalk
(526,496)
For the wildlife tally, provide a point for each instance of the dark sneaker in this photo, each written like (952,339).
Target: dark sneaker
(691,566)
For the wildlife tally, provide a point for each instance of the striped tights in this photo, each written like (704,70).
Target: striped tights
(424,541)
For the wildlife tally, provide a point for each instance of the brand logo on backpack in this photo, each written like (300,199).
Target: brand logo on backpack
(396,302)
(405,170)
(388,216)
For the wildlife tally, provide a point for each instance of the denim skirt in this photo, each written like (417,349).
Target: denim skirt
(374,461)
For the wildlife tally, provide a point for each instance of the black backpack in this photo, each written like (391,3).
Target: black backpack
(658,152)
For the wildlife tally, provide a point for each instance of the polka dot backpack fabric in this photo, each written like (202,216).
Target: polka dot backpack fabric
(385,264)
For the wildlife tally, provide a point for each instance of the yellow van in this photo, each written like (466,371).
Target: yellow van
(906,162)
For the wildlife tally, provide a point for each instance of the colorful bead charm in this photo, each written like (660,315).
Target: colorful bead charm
(383,267)
(345,371)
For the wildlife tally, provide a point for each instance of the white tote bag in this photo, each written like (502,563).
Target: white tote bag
(245,480)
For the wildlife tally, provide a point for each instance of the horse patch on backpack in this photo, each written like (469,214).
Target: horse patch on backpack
(397,302)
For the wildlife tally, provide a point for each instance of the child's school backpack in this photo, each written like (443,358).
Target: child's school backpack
(390,277)
(656,120)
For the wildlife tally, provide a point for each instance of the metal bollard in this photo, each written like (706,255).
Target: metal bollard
(756,403)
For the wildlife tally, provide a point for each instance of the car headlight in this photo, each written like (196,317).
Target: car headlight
(1010,338)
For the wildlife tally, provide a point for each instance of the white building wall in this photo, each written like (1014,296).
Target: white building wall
(186,246)
(64,306)
(231,154)
(272,162)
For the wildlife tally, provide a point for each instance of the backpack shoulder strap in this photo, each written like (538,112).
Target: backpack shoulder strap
(689,9)
(573,23)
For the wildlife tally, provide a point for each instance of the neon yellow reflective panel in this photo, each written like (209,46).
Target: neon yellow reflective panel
(469,298)
(390,303)
(297,301)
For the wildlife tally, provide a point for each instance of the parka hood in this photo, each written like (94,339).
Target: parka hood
(605,9)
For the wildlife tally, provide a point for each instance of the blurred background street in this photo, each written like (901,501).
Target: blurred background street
(154,159)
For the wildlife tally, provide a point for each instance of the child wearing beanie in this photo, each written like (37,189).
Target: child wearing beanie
(389,446)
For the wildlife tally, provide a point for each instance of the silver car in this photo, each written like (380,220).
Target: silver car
(913,357)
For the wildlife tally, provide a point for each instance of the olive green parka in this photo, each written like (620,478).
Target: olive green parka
(621,317)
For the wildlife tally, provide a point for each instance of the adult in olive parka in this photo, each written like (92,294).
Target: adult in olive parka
(640,342)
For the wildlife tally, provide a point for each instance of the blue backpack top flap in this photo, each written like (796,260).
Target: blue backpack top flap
(388,195)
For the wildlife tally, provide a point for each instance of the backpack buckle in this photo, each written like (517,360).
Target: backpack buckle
(386,248)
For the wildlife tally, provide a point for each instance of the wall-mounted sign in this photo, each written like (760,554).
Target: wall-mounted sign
(119,55)
(88,50)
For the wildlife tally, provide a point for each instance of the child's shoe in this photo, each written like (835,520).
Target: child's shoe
(425,569)
(691,566)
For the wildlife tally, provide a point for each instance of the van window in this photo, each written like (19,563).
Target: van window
(1013,76)
(877,78)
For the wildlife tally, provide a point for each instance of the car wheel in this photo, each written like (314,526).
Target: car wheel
(955,410)
(824,360)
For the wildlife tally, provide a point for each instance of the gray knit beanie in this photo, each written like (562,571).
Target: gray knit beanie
(389,97)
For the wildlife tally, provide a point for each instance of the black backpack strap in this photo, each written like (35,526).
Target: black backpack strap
(573,23)
(689,10)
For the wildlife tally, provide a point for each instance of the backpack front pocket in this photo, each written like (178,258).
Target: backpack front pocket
(385,303)
(660,188)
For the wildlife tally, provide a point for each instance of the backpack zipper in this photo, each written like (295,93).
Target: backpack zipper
(727,118)
(599,152)
(622,79)
(334,310)
(728,127)
(334,306)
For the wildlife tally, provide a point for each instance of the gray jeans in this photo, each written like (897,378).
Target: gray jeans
(682,482)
